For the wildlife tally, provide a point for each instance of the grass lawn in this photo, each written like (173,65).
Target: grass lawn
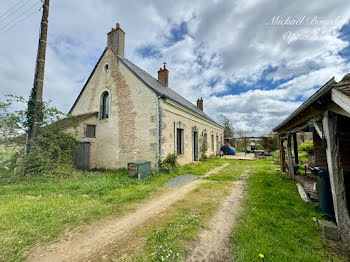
(40,210)
(171,237)
(276,222)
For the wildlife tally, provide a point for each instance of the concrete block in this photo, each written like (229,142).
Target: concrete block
(329,230)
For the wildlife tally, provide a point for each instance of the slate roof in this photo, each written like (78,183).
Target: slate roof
(344,85)
(161,90)
(152,83)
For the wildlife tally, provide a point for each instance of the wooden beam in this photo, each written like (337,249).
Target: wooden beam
(283,158)
(303,119)
(295,145)
(302,193)
(336,176)
(282,155)
(318,128)
(341,100)
(290,157)
(337,109)
(303,126)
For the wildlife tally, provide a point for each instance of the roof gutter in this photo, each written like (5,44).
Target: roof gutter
(319,93)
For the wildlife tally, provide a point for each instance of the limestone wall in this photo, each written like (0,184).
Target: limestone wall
(129,133)
(174,115)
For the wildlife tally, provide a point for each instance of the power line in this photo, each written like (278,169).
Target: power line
(9,14)
(9,10)
(18,16)
(18,22)
(10,24)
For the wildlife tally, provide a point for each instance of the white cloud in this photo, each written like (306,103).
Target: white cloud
(227,41)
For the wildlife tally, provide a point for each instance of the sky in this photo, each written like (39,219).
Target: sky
(252,61)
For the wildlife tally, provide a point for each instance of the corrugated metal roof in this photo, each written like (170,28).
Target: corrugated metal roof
(161,90)
(319,93)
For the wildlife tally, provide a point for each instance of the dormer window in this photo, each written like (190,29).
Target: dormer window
(104,105)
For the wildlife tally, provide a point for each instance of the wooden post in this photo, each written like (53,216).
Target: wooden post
(245,145)
(290,157)
(282,156)
(336,176)
(295,144)
(37,91)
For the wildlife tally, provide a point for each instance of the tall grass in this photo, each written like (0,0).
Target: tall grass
(40,209)
(276,222)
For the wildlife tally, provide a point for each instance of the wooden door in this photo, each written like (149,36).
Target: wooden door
(195,146)
(82,157)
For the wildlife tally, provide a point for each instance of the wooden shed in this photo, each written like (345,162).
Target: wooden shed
(327,114)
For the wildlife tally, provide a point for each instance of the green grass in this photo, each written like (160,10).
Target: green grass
(168,239)
(276,222)
(41,209)
(171,238)
(232,172)
(202,167)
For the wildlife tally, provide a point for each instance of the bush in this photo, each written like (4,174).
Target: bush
(307,147)
(203,158)
(49,151)
(52,149)
(169,164)
(203,142)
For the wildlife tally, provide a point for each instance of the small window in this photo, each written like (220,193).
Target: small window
(105,105)
(90,131)
(106,67)
(179,141)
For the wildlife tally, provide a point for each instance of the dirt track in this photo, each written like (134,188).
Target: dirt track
(95,243)
(213,242)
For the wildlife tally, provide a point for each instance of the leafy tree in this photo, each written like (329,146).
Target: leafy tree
(273,142)
(51,149)
(228,130)
(241,142)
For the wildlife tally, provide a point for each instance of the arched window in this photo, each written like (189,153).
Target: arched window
(105,105)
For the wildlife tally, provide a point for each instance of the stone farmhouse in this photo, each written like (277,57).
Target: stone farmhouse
(124,114)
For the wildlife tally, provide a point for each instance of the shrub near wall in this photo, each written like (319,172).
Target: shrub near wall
(49,151)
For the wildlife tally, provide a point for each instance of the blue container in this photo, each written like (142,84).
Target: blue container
(228,150)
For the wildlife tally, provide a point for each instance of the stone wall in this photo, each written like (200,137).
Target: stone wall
(175,116)
(129,133)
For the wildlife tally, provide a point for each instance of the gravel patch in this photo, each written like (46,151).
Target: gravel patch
(181,180)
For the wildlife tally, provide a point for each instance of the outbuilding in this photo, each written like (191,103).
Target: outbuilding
(327,114)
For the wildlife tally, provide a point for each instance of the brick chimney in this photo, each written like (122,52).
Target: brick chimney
(116,40)
(163,75)
(200,103)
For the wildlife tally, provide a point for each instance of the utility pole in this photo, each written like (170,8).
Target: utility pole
(35,103)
